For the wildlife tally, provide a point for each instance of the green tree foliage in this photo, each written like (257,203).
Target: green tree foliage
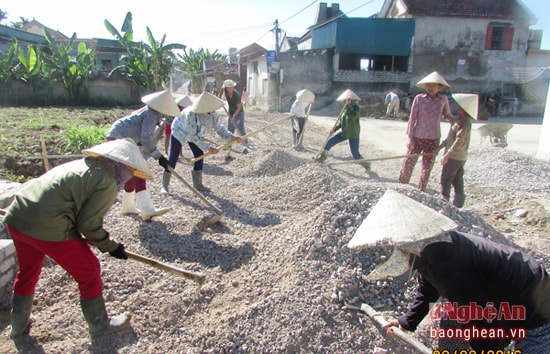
(192,64)
(73,71)
(29,69)
(8,72)
(146,65)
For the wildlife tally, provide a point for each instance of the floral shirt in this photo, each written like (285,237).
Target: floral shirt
(426,113)
(192,127)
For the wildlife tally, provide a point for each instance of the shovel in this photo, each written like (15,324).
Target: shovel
(233,142)
(377,317)
(219,213)
(198,278)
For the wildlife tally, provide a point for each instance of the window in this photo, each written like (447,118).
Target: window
(499,37)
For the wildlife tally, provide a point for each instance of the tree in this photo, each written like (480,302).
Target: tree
(73,72)
(3,15)
(19,24)
(146,65)
(29,69)
(192,64)
(8,71)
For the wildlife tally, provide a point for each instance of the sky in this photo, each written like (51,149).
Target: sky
(210,24)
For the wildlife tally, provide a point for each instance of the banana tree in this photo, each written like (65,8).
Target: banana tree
(72,71)
(29,69)
(161,58)
(8,72)
(192,64)
(146,65)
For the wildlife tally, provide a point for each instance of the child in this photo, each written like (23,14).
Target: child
(456,148)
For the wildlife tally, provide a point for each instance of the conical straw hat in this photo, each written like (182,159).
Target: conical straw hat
(206,103)
(124,151)
(398,220)
(348,94)
(433,78)
(396,265)
(468,102)
(184,101)
(305,96)
(163,102)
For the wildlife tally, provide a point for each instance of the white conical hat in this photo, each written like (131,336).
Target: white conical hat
(468,102)
(305,96)
(398,219)
(229,83)
(124,151)
(184,101)
(163,102)
(433,78)
(206,103)
(348,94)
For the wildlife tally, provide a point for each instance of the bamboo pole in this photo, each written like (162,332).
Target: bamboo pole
(381,158)
(233,142)
(44,153)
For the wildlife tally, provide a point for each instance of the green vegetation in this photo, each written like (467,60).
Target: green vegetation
(64,130)
(77,138)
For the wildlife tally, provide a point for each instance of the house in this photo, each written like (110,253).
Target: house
(477,45)
(7,34)
(254,75)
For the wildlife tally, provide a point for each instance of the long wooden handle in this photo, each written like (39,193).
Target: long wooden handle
(195,191)
(382,158)
(233,142)
(196,277)
(399,333)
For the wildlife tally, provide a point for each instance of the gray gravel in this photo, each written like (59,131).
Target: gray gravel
(278,269)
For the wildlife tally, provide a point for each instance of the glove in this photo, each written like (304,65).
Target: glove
(119,252)
(164,163)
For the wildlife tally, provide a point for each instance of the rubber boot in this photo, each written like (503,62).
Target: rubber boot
(322,157)
(99,323)
(197,181)
(365,165)
(148,211)
(165,182)
(458,200)
(21,315)
(128,201)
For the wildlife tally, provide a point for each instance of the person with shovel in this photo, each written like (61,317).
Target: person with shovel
(143,126)
(191,127)
(59,215)
(483,285)
(456,148)
(236,109)
(424,129)
(300,111)
(347,127)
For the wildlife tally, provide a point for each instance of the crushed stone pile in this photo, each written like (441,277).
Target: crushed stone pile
(277,266)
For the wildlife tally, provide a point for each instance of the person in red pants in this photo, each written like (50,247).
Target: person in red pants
(424,129)
(59,215)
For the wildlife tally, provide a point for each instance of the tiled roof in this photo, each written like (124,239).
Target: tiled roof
(499,9)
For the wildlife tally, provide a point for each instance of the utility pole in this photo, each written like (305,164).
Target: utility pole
(277,31)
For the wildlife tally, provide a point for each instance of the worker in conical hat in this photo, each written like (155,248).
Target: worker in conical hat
(423,129)
(347,127)
(300,111)
(456,148)
(144,127)
(465,270)
(236,116)
(191,127)
(59,215)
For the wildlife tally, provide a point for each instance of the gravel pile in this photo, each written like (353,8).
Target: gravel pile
(277,266)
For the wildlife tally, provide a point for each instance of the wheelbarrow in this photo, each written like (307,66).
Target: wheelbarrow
(496,132)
